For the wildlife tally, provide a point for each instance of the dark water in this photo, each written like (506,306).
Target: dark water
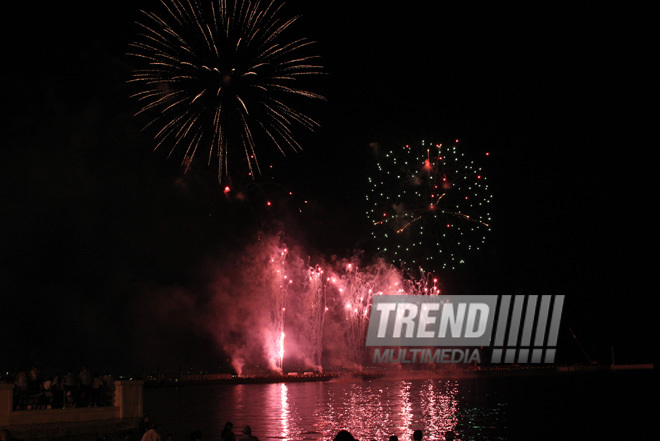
(550,407)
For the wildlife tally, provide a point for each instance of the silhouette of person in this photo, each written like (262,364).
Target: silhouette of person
(449,435)
(85,385)
(145,424)
(394,438)
(21,382)
(227,433)
(417,435)
(344,435)
(151,434)
(69,385)
(247,434)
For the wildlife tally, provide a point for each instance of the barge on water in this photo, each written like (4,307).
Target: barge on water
(452,372)
(293,377)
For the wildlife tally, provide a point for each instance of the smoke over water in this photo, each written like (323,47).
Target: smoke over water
(272,308)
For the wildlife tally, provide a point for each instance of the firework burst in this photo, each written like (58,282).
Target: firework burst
(429,207)
(218,76)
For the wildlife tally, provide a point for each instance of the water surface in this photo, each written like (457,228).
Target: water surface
(591,406)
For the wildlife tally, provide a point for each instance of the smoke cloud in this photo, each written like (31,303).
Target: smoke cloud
(272,307)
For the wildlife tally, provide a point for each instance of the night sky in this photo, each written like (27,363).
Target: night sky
(95,224)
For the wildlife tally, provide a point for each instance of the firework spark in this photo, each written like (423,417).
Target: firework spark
(220,75)
(429,206)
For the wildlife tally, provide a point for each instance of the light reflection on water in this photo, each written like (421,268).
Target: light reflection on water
(371,410)
(606,406)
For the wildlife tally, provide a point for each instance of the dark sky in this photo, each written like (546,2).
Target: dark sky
(93,221)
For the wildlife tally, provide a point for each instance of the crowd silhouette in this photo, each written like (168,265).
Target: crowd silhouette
(148,433)
(33,390)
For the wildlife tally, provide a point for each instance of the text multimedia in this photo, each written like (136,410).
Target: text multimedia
(419,355)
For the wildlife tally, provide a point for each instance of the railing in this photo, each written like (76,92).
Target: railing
(58,398)
(124,402)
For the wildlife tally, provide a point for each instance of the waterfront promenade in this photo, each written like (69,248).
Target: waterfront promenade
(112,421)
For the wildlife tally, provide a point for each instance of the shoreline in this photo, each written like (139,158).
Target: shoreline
(450,373)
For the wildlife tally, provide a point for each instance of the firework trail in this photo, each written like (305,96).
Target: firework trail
(354,289)
(218,75)
(429,207)
(314,287)
(280,282)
